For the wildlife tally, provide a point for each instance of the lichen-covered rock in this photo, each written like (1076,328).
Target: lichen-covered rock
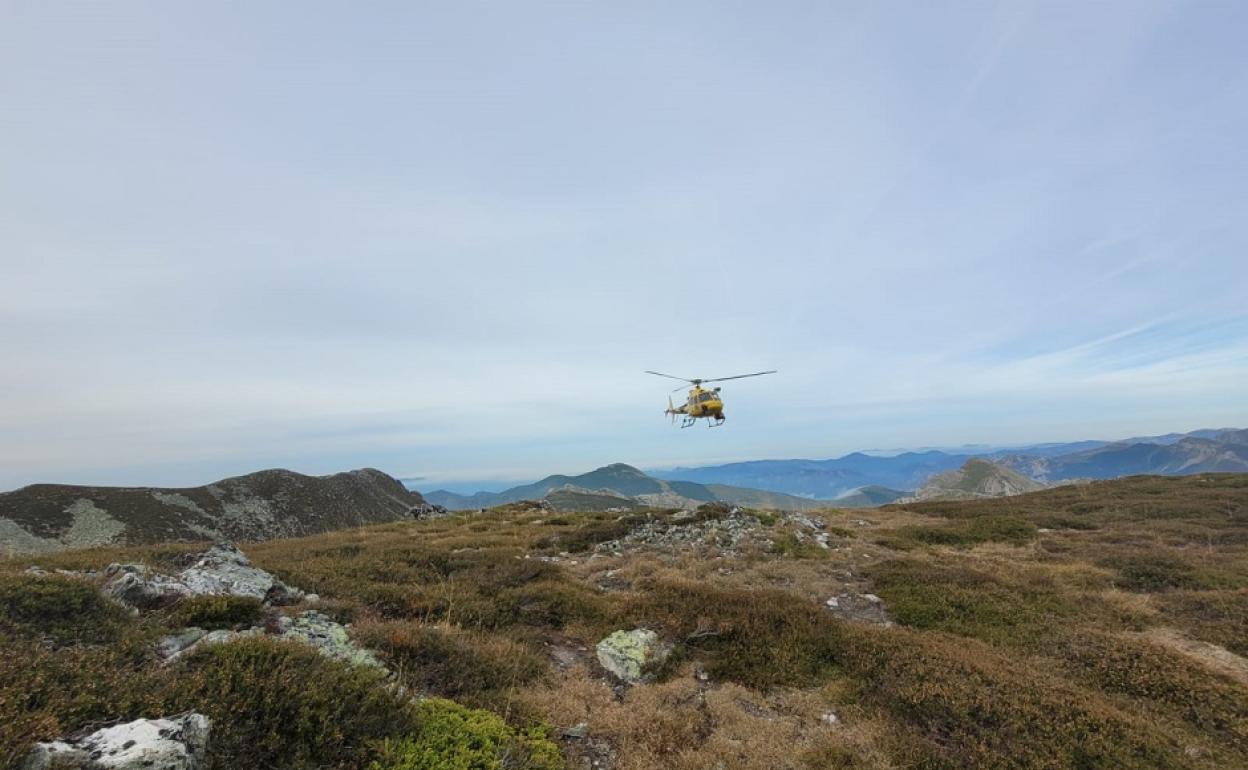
(330,638)
(222,570)
(629,655)
(137,586)
(174,646)
(144,744)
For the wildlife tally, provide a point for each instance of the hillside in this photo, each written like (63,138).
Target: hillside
(257,506)
(625,480)
(1223,452)
(1099,625)
(974,480)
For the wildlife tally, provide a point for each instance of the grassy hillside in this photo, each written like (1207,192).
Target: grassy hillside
(1100,625)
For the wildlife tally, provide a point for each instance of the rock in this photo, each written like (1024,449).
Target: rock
(577,731)
(329,638)
(174,645)
(833,602)
(426,511)
(830,719)
(144,744)
(222,570)
(133,584)
(628,655)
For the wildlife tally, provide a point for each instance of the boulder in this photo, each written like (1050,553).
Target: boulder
(177,743)
(222,570)
(630,655)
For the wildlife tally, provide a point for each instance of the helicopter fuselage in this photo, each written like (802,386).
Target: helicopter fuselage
(701,402)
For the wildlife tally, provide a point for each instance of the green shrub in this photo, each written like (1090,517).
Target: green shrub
(453,664)
(61,609)
(759,638)
(452,737)
(1021,608)
(788,545)
(1154,572)
(1217,617)
(283,704)
(1171,682)
(216,612)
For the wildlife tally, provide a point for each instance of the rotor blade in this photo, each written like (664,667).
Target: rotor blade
(739,376)
(661,374)
(682,387)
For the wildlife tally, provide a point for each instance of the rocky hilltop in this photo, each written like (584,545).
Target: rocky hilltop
(974,480)
(258,506)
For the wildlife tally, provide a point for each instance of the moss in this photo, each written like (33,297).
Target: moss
(452,737)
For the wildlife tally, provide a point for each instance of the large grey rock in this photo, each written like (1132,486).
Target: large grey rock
(223,570)
(144,744)
(630,655)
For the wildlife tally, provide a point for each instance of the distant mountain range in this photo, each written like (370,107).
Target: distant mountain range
(1200,451)
(257,506)
(622,486)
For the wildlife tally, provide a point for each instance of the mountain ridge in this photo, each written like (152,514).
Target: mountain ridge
(256,506)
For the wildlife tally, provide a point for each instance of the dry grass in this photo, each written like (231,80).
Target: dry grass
(1081,627)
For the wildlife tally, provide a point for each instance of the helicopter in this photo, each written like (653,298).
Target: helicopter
(701,402)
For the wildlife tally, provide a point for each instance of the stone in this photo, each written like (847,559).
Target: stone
(577,731)
(426,511)
(830,719)
(222,570)
(628,655)
(329,638)
(833,602)
(179,743)
(174,645)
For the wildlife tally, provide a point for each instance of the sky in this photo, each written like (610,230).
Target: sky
(446,239)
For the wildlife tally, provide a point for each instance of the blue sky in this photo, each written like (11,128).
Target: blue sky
(445,239)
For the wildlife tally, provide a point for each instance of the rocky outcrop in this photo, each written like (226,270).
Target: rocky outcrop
(259,506)
(630,655)
(223,570)
(177,743)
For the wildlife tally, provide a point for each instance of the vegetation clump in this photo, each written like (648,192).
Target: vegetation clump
(216,612)
(452,737)
(62,609)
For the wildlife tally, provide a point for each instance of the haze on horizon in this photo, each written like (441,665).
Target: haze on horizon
(444,240)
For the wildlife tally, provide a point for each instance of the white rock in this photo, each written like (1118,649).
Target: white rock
(830,719)
(144,744)
(833,602)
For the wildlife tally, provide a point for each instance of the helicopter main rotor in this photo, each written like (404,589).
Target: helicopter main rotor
(698,381)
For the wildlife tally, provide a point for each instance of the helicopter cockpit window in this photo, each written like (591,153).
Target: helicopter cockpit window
(707,396)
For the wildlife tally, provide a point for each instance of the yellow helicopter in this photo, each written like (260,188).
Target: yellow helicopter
(701,402)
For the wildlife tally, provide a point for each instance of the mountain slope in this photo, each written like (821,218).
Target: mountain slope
(974,480)
(257,506)
(1226,452)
